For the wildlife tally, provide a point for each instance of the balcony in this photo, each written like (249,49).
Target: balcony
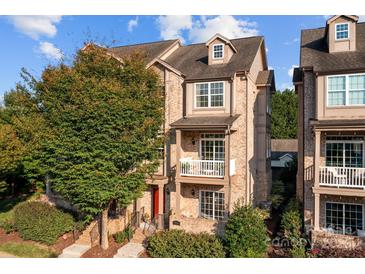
(346,177)
(204,168)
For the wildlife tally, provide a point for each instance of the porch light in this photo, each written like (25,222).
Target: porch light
(193,192)
(193,141)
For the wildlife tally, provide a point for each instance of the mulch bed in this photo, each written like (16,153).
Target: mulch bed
(62,242)
(98,252)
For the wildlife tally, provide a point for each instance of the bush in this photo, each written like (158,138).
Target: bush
(291,221)
(277,196)
(41,222)
(7,222)
(246,234)
(180,244)
(121,236)
(298,251)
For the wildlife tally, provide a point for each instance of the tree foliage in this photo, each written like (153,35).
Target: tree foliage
(94,127)
(284,115)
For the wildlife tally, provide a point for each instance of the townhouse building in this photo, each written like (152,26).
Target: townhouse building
(330,83)
(217,123)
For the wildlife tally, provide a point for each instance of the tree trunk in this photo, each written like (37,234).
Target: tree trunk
(104,229)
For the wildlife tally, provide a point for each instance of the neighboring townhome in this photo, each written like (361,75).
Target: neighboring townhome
(331,87)
(217,123)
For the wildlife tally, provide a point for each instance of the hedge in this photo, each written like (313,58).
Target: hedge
(180,244)
(41,222)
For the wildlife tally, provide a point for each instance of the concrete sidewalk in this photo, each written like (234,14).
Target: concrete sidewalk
(6,255)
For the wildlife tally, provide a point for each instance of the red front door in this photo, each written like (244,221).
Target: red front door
(155,202)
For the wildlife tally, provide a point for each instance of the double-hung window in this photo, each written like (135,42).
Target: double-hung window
(218,52)
(212,146)
(211,204)
(342,218)
(342,31)
(346,90)
(344,151)
(209,94)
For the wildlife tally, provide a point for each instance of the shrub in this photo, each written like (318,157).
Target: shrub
(121,236)
(291,221)
(41,222)
(7,222)
(246,234)
(180,244)
(298,251)
(277,196)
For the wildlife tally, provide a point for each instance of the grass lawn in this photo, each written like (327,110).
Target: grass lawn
(26,250)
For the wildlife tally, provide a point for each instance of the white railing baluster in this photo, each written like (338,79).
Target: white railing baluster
(351,177)
(202,168)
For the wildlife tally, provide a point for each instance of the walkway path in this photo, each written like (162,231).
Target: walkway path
(6,255)
(134,248)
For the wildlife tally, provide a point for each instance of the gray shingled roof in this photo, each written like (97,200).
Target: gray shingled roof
(152,49)
(192,60)
(206,121)
(314,52)
(266,77)
(297,75)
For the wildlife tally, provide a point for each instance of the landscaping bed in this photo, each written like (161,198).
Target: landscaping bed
(13,239)
(98,252)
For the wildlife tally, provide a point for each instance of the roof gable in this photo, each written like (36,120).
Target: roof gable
(223,39)
(351,17)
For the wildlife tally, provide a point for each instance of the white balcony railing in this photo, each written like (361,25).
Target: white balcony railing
(202,168)
(351,177)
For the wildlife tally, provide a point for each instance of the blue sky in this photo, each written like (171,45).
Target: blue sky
(36,41)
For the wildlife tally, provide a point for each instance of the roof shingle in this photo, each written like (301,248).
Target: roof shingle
(192,60)
(314,52)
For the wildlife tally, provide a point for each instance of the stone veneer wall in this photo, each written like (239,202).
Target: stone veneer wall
(309,113)
(330,240)
(197,225)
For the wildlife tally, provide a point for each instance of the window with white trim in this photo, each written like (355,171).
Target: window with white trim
(342,31)
(212,146)
(342,218)
(209,94)
(346,90)
(211,204)
(218,52)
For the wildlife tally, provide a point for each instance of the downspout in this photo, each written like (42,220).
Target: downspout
(248,190)
(184,100)
(229,168)
(231,96)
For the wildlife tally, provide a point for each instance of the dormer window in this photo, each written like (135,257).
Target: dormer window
(342,31)
(218,51)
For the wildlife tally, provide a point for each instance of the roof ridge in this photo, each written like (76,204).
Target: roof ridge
(145,43)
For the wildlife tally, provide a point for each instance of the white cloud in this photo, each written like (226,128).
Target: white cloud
(270,68)
(226,25)
(172,26)
(285,86)
(205,27)
(291,70)
(132,24)
(291,42)
(50,51)
(35,26)
(267,50)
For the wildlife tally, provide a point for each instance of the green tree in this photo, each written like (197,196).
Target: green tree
(22,128)
(102,123)
(284,115)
